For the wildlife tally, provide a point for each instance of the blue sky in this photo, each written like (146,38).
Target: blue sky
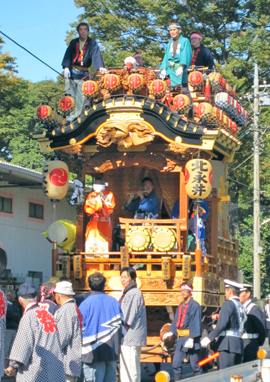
(40,26)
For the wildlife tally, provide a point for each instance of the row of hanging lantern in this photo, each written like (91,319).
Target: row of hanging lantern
(211,114)
(231,107)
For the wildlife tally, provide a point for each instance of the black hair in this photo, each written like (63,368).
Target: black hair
(82,24)
(234,290)
(97,282)
(146,179)
(173,22)
(130,271)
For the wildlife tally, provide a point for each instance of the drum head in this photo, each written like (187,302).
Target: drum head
(163,239)
(138,238)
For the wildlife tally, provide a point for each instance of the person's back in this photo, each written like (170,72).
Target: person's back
(37,348)
(102,319)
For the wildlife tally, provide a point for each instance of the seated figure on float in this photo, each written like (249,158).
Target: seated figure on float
(99,204)
(144,202)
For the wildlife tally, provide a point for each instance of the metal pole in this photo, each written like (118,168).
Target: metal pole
(256,202)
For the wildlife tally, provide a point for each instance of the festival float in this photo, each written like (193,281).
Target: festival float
(135,125)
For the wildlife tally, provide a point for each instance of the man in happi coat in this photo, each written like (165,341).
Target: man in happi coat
(3,312)
(201,56)
(36,354)
(103,330)
(230,327)
(255,329)
(177,57)
(99,205)
(81,53)
(187,326)
(69,323)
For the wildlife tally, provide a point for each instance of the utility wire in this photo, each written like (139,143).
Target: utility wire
(28,51)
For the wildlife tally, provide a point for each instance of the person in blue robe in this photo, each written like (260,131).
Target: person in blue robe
(187,327)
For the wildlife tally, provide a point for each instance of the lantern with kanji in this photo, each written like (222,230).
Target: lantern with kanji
(181,102)
(67,103)
(135,82)
(112,82)
(198,178)
(195,78)
(44,112)
(158,88)
(55,179)
(90,88)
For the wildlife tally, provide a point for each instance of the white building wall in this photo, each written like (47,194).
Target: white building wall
(27,249)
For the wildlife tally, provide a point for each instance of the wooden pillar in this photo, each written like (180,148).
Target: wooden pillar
(183,207)
(54,258)
(214,225)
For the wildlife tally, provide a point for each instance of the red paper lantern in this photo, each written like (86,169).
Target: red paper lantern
(112,82)
(234,127)
(90,88)
(158,88)
(181,102)
(67,103)
(135,81)
(223,83)
(195,78)
(44,111)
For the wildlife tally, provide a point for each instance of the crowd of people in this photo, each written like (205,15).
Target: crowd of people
(94,337)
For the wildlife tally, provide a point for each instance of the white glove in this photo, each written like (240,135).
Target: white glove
(189,343)
(179,71)
(166,335)
(66,73)
(162,74)
(205,342)
(103,70)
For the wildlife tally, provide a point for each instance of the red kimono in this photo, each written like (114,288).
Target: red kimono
(98,235)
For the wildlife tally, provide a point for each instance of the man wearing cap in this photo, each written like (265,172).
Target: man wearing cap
(69,323)
(267,317)
(103,330)
(36,353)
(177,57)
(255,331)
(201,56)
(99,204)
(230,328)
(187,326)
(81,53)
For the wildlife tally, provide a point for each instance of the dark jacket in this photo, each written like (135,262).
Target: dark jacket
(92,56)
(202,56)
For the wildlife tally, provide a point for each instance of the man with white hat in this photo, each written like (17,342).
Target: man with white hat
(69,323)
(230,328)
(36,353)
(267,317)
(255,331)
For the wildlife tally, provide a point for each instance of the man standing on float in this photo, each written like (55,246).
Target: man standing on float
(81,53)
(177,57)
